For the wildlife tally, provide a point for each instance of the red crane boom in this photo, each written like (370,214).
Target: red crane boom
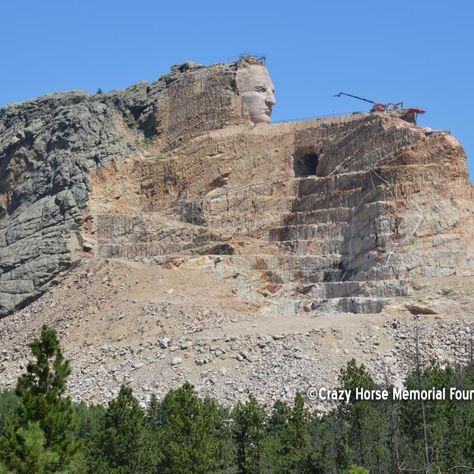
(379,107)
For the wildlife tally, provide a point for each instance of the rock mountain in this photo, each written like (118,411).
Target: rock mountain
(183,183)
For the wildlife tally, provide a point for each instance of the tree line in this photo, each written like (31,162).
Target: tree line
(42,431)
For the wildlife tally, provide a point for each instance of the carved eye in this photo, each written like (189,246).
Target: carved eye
(261,89)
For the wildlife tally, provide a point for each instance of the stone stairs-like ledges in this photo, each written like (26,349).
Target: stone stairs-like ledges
(344,237)
(303,254)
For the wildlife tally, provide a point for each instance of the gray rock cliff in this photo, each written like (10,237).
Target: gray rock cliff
(49,146)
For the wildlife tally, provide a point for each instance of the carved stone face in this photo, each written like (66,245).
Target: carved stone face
(257,91)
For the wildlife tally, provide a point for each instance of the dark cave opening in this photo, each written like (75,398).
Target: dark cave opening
(305,165)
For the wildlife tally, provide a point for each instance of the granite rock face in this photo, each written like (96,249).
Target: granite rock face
(338,214)
(327,214)
(49,146)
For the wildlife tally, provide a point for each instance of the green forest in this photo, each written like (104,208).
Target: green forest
(43,431)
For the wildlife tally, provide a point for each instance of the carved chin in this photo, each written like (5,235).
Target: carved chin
(261,117)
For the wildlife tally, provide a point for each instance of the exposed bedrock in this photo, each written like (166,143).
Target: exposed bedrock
(49,146)
(337,213)
(47,149)
(328,214)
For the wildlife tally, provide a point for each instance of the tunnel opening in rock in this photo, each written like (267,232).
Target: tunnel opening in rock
(305,164)
(221,249)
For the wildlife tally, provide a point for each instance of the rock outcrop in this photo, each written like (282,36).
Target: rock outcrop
(329,214)
(196,228)
(335,214)
(49,147)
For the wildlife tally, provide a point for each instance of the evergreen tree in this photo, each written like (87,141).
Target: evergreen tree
(124,444)
(45,418)
(153,412)
(286,449)
(279,417)
(468,418)
(90,420)
(30,454)
(8,407)
(296,437)
(354,376)
(329,450)
(249,430)
(272,445)
(368,434)
(192,433)
(449,423)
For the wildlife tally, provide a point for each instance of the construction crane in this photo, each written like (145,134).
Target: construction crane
(378,107)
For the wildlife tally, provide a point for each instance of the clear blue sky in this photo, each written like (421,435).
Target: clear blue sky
(418,51)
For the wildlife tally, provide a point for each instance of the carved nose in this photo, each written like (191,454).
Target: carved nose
(270,98)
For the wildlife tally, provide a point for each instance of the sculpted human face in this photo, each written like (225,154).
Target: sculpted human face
(257,91)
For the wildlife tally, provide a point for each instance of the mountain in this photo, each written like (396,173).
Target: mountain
(170,233)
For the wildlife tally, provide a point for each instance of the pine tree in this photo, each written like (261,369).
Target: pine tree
(45,417)
(286,449)
(8,408)
(328,444)
(280,415)
(355,376)
(153,412)
(368,432)
(192,433)
(249,428)
(448,423)
(90,420)
(30,454)
(124,444)
(296,438)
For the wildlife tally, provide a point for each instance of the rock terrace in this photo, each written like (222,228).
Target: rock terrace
(173,236)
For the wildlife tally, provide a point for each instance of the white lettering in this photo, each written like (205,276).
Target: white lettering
(322,393)
(362,394)
(459,394)
(400,394)
(335,395)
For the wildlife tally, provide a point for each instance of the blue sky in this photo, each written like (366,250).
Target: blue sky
(420,52)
